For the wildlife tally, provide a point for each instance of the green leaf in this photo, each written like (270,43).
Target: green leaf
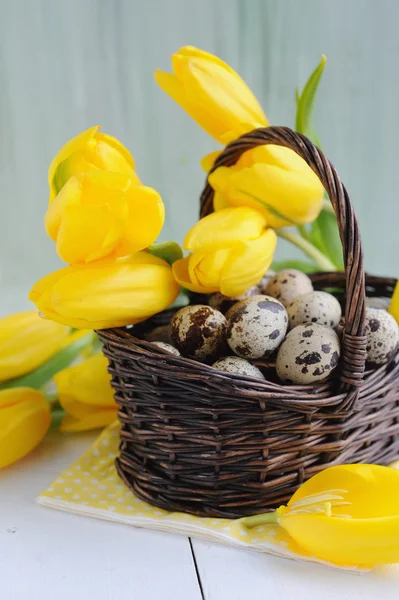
(65,357)
(300,265)
(328,228)
(305,103)
(168,251)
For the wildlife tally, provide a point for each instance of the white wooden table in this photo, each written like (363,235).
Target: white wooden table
(50,555)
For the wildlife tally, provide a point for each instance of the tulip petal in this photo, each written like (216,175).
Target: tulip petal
(110,293)
(145,220)
(394,307)
(26,342)
(114,156)
(346,541)
(208,160)
(85,385)
(206,267)
(25,419)
(224,228)
(92,420)
(73,145)
(286,197)
(89,233)
(70,195)
(181,274)
(247,264)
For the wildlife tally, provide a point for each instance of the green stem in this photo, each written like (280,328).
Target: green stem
(318,257)
(303,232)
(270,518)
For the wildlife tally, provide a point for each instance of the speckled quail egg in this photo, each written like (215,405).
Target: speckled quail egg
(224,303)
(199,332)
(287,285)
(167,347)
(308,354)
(240,366)
(382,336)
(256,326)
(264,282)
(315,307)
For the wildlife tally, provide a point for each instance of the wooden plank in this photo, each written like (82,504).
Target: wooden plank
(231,574)
(46,554)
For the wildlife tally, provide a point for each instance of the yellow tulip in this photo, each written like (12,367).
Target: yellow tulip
(26,342)
(271,179)
(85,393)
(212,93)
(347,515)
(25,417)
(89,151)
(231,250)
(394,307)
(110,293)
(102,213)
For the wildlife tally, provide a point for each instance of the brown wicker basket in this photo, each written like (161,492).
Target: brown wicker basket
(216,444)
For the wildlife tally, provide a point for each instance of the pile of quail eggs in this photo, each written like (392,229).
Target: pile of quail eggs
(282,324)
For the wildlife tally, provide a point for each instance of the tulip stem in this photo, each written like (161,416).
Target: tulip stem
(270,518)
(308,248)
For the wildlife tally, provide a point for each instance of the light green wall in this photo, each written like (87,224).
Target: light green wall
(69,64)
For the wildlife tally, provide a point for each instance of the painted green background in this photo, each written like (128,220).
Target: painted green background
(68,64)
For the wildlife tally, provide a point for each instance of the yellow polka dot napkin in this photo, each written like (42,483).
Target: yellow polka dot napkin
(91,487)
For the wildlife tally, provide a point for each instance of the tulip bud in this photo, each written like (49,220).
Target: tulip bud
(26,342)
(212,93)
(102,213)
(231,251)
(111,293)
(89,151)
(273,180)
(25,417)
(85,393)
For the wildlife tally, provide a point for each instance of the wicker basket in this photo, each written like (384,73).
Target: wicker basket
(216,444)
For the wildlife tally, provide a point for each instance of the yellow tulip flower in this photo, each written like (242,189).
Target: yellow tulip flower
(110,293)
(102,213)
(89,151)
(347,515)
(85,393)
(25,417)
(394,307)
(26,342)
(231,250)
(271,179)
(212,93)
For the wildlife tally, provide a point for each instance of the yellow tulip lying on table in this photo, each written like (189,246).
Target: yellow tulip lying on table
(347,515)
(84,392)
(25,417)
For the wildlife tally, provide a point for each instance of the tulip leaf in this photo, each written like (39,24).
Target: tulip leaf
(300,265)
(305,103)
(329,234)
(169,251)
(65,357)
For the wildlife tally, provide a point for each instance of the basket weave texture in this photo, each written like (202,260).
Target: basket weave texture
(198,440)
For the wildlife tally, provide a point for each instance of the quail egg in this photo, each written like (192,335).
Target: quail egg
(224,303)
(382,333)
(256,326)
(315,307)
(240,366)
(264,282)
(167,347)
(287,285)
(199,332)
(308,354)
(159,334)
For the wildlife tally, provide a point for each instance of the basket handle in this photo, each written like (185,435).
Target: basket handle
(353,355)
